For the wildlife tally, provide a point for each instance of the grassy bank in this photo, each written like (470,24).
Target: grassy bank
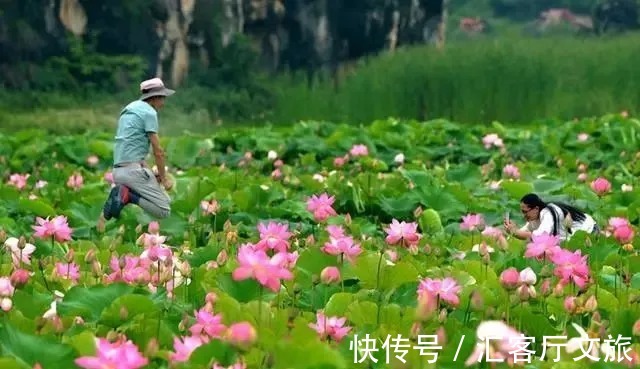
(506,80)
(511,81)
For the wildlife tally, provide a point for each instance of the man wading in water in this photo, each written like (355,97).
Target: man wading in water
(137,130)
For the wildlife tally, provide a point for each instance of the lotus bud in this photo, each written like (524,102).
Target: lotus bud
(486,259)
(96,268)
(628,247)
(416,328)
(524,294)
(124,313)
(152,348)
(441,333)
(139,229)
(310,240)
(222,257)
(22,243)
(476,300)
(509,278)
(545,288)
(426,307)
(417,212)
(442,317)
(90,256)
(78,320)
(19,278)
(69,256)
(558,290)
(232,236)
(227,225)
(211,297)
(153,227)
(570,304)
(330,275)
(591,304)
(6,304)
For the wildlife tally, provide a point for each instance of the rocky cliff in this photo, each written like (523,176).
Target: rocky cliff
(172,35)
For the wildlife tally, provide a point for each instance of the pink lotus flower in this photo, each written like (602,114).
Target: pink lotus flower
(118,355)
(496,234)
(321,207)
(624,234)
(18,181)
(210,207)
(571,267)
(359,150)
(128,270)
(406,233)
(183,348)
(511,171)
(616,222)
(330,275)
(151,239)
(509,278)
(343,246)
(542,246)
(93,160)
(446,289)
(20,277)
(582,137)
(340,161)
(335,231)
(6,288)
(153,227)
(257,264)
(207,324)
(601,186)
(57,228)
(69,271)
(274,236)
(492,139)
(75,181)
(496,340)
(19,254)
(471,222)
(241,333)
(332,327)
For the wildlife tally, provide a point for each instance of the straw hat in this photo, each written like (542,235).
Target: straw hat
(154,87)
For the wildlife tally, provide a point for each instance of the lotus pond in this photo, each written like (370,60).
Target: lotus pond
(325,246)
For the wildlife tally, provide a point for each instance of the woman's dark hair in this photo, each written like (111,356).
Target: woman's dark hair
(534,201)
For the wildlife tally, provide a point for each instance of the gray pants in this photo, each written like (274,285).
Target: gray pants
(153,199)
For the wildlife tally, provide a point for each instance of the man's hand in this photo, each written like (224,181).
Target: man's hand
(167,184)
(164,182)
(158,153)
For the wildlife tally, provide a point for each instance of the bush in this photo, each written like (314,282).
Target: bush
(481,81)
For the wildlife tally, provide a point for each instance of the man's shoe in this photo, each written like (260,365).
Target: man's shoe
(109,204)
(117,200)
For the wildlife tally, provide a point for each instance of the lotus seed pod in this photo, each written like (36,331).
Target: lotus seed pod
(430,221)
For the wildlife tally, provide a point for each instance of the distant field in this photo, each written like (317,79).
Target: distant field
(513,81)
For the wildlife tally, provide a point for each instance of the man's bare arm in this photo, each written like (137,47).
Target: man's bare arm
(158,154)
